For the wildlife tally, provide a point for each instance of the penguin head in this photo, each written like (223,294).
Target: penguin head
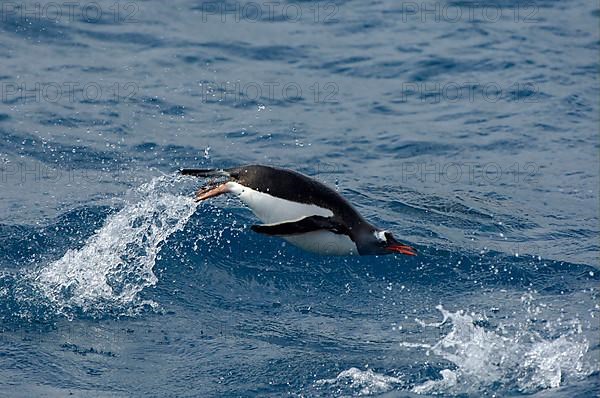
(383,242)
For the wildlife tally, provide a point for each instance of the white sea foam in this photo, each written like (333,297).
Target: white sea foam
(116,263)
(362,382)
(483,359)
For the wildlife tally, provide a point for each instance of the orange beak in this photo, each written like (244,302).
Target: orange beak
(403,249)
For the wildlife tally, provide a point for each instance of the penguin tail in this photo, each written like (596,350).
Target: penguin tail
(204,172)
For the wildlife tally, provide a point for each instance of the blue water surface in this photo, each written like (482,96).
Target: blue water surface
(468,128)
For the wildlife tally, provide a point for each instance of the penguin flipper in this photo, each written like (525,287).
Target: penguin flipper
(304,225)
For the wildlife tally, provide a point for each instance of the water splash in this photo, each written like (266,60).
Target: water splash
(116,263)
(484,359)
(505,361)
(362,382)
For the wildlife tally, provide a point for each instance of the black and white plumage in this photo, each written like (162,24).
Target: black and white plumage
(301,210)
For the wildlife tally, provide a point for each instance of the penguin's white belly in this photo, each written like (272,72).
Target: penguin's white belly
(324,242)
(273,210)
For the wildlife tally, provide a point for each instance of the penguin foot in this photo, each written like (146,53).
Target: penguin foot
(210,191)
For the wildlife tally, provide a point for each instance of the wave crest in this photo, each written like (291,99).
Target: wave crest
(116,263)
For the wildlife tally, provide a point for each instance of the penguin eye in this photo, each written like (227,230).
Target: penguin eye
(381,236)
(388,236)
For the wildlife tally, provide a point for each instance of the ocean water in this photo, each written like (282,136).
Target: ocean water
(468,128)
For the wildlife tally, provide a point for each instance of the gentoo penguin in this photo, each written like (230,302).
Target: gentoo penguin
(300,209)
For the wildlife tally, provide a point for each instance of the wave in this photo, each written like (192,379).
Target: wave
(107,274)
(481,361)
(362,382)
(111,272)
(111,269)
(484,359)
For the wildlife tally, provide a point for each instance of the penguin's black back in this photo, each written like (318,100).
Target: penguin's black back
(296,187)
